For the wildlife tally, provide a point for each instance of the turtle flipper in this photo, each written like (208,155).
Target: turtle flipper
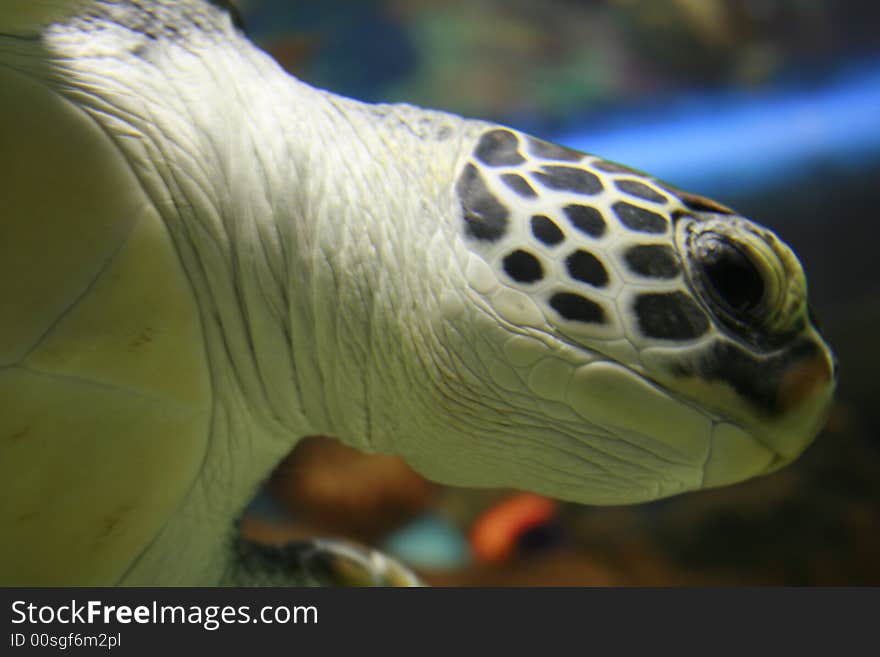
(317,562)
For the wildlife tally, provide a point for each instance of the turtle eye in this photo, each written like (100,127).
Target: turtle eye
(731,278)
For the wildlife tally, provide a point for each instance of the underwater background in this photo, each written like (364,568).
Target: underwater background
(769,106)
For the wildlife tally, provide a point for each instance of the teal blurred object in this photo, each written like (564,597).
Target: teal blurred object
(430,543)
(352,47)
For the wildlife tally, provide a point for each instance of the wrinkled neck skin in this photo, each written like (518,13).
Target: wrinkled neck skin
(317,233)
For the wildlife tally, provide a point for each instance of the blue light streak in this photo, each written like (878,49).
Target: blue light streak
(736,143)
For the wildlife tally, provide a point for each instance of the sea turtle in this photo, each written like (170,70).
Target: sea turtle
(203,259)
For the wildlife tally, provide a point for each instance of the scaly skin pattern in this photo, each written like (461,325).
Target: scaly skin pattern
(498,310)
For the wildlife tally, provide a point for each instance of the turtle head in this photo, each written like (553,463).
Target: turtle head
(655,339)
(766,367)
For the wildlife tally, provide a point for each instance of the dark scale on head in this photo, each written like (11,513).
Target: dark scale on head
(549,151)
(640,190)
(653,261)
(546,231)
(670,316)
(701,203)
(485,218)
(523,267)
(569,179)
(613,167)
(586,219)
(577,308)
(585,267)
(640,219)
(499,148)
(519,184)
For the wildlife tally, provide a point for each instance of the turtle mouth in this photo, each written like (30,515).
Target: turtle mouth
(749,441)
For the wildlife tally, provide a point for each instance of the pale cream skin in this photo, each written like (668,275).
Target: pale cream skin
(208,260)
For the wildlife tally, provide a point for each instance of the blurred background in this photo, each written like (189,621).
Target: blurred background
(770,106)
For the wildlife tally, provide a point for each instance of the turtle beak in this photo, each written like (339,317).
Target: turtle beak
(805,391)
(769,442)
(805,379)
